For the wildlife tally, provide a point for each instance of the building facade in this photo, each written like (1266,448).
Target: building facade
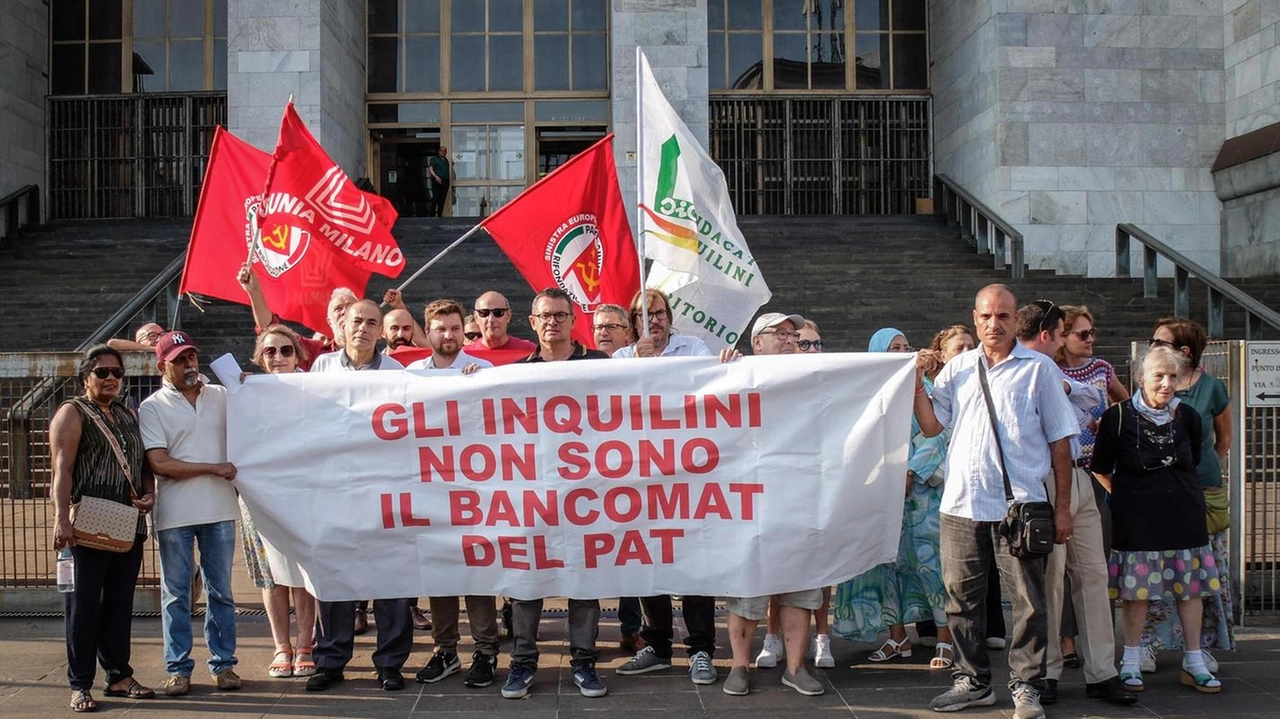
(1065,116)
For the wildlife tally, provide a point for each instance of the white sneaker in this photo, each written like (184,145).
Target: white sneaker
(770,653)
(1148,659)
(822,657)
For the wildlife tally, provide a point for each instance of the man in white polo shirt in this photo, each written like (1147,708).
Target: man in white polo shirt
(335,642)
(184,431)
(444,322)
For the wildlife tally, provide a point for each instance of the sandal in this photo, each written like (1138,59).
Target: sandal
(133,691)
(895,650)
(944,658)
(1131,677)
(1200,679)
(281,664)
(83,703)
(303,664)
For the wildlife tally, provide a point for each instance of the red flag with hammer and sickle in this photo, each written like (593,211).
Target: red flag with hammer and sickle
(570,230)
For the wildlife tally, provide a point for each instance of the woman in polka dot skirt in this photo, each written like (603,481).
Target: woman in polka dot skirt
(1146,453)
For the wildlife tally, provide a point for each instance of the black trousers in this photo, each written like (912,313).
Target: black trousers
(439,197)
(699,621)
(99,614)
(336,638)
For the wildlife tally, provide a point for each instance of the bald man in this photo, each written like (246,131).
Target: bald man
(493,313)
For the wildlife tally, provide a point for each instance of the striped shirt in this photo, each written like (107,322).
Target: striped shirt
(96,471)
(1032,411)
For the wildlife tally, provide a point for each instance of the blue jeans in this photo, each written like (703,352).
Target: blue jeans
(217,543)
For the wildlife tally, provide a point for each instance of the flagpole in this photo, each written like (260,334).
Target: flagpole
(439,255)
(644,304)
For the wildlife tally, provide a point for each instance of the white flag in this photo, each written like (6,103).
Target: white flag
(688,228)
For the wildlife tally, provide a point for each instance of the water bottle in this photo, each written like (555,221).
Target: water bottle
(66,571)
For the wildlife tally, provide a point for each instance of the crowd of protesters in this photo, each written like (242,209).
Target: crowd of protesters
(1012,408)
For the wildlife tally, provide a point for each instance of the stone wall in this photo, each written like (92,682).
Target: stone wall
(310,49)
(676,30)
(24,38)
(1104,111)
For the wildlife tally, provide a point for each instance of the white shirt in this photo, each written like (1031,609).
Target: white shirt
(191,434)
(340,362)
(677,346)
(1032,409)
(460,361)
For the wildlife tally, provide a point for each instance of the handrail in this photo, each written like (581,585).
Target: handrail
(982,225)
(1255,312)
(10,203)
(149,293)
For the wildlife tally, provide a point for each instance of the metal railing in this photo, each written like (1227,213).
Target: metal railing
(129,156)
(20,208)
(980,225)
(1255,313)
(822,156)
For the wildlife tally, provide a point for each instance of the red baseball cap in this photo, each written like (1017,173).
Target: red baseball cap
(172,344)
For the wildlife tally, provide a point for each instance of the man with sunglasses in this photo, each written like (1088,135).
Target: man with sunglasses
(552,320)
(1040,329)
(493,313)
(184,432)
(656,340)
(1029,440)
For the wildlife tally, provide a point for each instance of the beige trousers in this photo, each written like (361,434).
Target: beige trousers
(1083,559)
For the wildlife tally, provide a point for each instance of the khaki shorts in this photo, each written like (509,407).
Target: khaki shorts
(754,608)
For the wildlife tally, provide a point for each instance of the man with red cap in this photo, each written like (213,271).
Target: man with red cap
(184,433)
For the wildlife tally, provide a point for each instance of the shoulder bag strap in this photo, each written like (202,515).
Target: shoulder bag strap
(115,446)
(991,412)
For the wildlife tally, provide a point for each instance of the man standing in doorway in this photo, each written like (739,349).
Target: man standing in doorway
(438,172)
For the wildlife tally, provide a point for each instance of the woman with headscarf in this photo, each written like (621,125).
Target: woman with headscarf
(1146,453)
(96,449)
(279,351)
(889,596)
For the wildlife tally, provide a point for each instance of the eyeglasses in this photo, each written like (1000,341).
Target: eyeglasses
(1085,334)
(1049,320)
(286,351)
(782,336)
(495,311)
(560,317)
(471,335)
(655,314)
(806,345)
(1156,342)
(609,327)
(105,372)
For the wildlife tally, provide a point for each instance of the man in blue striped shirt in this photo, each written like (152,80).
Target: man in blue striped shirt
(1035,426)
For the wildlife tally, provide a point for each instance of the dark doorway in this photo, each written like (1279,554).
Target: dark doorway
(556,145)
(402,160)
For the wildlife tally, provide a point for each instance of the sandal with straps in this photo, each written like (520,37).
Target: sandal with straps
(303,664)
(1200,679)
(1131,677)
(83,703)
(895,650)
(281,668)
(944,658)
(133,691)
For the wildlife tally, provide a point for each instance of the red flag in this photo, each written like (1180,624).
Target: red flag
(297,279)
(306,189)
(570,230)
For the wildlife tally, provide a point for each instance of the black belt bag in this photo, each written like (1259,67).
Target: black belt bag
(1028,529)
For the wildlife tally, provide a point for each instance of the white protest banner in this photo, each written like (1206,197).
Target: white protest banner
(583,479)
(688,227)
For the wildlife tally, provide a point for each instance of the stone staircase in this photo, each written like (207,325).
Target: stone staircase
(851,275)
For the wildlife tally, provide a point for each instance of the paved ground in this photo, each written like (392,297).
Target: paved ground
(33,684)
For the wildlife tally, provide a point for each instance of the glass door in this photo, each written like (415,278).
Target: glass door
(488,166)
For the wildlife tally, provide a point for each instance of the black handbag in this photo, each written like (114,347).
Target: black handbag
(1028,527)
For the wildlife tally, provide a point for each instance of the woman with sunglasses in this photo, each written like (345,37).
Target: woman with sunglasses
(278,350)
(890,596)
(1146,453)
(1207,395)
(91,462)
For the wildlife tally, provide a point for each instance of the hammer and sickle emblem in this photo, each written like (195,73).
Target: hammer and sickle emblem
(589,273)
(277,237)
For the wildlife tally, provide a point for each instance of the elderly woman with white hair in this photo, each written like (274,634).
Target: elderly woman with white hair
(1146,453)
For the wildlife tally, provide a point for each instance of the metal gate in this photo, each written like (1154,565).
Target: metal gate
(813,156)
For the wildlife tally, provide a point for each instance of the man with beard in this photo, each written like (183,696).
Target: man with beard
(336,639)
(397,330)
(184,432)
(444,322)
(339,301)
(659,341)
